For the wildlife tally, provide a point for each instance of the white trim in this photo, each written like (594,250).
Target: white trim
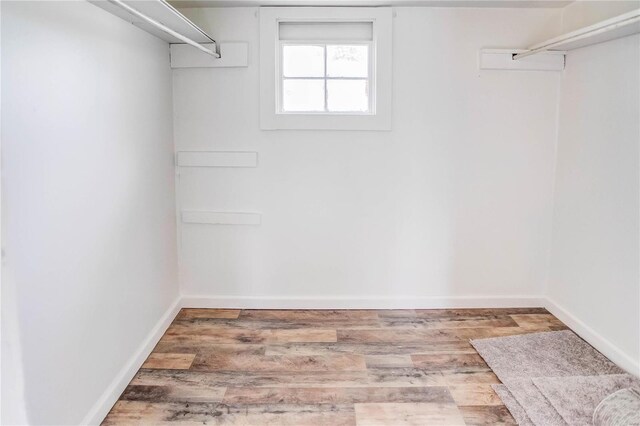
(101,408)
(595,339)
(353,302)
(380,57)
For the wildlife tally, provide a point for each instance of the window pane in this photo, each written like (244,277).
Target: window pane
(302,95)
(348,95)
(347,61)
(303,61)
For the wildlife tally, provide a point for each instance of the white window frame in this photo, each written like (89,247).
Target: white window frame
(380,68)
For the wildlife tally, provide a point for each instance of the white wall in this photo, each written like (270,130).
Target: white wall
(455,201)
(595,255)
(88,198)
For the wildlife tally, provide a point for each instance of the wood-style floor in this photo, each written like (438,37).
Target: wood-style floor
(316,367)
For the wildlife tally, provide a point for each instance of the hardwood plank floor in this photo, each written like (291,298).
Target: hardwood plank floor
(324,367)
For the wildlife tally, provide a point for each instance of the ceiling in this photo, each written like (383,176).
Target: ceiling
(430,3)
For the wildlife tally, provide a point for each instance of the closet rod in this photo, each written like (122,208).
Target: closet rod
(559,42)
(164,28)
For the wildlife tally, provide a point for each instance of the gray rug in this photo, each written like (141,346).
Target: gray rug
(517,359)
(576,398)
(547,354)
(537,407)
(512,405)
(619,408)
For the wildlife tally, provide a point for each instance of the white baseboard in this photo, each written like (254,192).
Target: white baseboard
(101,408)
(596,340)
(245,302)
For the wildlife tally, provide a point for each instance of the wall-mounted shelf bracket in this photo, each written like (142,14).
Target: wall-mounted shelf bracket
(502,59)
(233,54)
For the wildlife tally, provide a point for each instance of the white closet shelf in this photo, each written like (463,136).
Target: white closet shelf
(609,29)
(159,18)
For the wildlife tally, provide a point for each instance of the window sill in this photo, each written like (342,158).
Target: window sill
(302,121)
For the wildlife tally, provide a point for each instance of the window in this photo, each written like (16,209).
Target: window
(325,68)
(325,78)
